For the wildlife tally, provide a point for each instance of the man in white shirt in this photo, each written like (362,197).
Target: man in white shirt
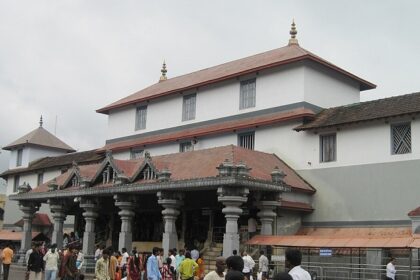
(390,269)
(51,263)
(219,273)
(293,261)
(263,265)
(248,265)
(172,257)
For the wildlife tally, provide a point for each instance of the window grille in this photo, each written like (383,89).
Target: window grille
(19,157)
(247,94)
(328,147)
(148,174)
(188,107)
(247,140)
(16,183)
(401,138)
(109,175)
(186,147)
(40,179)
(136,153)
(141,116)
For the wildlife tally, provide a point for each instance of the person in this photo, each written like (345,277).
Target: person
(263,265)
(51,263)
(390,269)
(234,275)
(179,258)
(195,254)
(113,264)
(282,276)
(252,227)
(199,273)
(152,266)
(217,274)
(167,270)
(70,269)
(64,256)
(80,260)
(123,263)
(66,238)
(35,263)
(28,253)
(98,253)
(235,252)
(102,266)
(249,264)
(133,266)
(293,261)
(1,260)
(160,258)
(7,257)
(235,263)
(187,267)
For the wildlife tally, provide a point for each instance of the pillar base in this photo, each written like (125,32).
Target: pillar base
(89,264)
(88,242)
(169,241)
(230,243)
(21,255)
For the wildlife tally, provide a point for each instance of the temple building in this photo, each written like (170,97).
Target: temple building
(280,137)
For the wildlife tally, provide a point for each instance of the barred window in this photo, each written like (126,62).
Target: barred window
(16,183)
(19,157)
(40,179)
(247,140)
(186,147)
(328,147)
(136,153)
(141,116)
(247,94)
(401,138)
(188,107)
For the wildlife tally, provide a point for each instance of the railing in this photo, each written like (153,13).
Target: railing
(218,233)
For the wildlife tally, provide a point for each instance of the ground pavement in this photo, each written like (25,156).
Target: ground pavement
(18,273)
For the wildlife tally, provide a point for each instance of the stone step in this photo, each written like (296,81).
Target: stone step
(212,254)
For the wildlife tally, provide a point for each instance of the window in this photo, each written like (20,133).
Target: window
(401,138)
(136,153)
(247,94)
(141,116)
(19,157)
(16,183)
(328,147)
(188,107)
(186,147)
(40,179)
(247,140)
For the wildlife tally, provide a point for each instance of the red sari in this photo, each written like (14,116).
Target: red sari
(133,272)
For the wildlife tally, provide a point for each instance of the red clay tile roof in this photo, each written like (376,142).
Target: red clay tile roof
(57,162)
(14,235)
(39,219)
(365,111)
(199,164)
(414,213)
(210,129)
(269,59)
(40,137)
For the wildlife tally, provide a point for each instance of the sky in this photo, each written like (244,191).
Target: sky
(65,59)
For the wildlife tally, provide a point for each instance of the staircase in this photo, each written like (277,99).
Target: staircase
(210,256)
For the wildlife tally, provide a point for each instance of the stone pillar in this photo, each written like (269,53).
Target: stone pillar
(171,202)
(90,206)
(59,216)
(267,204)
(232,198)
(28,209)
(127,205)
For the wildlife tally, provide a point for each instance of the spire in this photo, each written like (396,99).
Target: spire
(40,121)
(293,32)
(163,71)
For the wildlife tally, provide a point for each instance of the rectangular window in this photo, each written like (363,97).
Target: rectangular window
(247,140)
(136,153)
(328,147)
(186,147)
(401,138)
(141,116)
(16,183)
(188,107)
(247,94)
(40,179)
(19,157)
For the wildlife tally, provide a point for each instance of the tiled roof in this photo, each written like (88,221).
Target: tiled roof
(57,162)
(269,59)
(39,219)
(15,235)
(210,129)
(196,165)
(414,213)
(40,137)
(365,111)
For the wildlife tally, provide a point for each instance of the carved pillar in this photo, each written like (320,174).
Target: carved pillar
(171,202)
(267,215)
(127,205)
(232,199)
(28,209)
(90,207)
(58,212)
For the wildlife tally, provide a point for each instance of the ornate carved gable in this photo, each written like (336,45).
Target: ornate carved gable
(108,172)
(146,172)
(74,178)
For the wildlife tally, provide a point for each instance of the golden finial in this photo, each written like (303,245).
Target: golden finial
(40,121)
(293,32)
(163,71)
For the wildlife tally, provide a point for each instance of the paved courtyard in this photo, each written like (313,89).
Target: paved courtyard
(18,273)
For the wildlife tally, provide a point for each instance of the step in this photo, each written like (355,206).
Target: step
(212,254)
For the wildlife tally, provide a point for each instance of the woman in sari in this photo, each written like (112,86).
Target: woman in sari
(133,268)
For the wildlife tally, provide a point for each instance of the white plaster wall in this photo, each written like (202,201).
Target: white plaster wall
(31,179)
(35,153)
(325,88)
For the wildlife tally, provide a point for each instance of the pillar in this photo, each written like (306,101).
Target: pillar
(171,202)
(267,215)
(90,207)
(28,209)
(232,198)
(59,216)
(127,205)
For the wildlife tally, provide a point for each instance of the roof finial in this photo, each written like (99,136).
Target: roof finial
(40,121)
(293,32)
(163,71)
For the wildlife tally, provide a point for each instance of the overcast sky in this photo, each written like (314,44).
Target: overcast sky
(65,59)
